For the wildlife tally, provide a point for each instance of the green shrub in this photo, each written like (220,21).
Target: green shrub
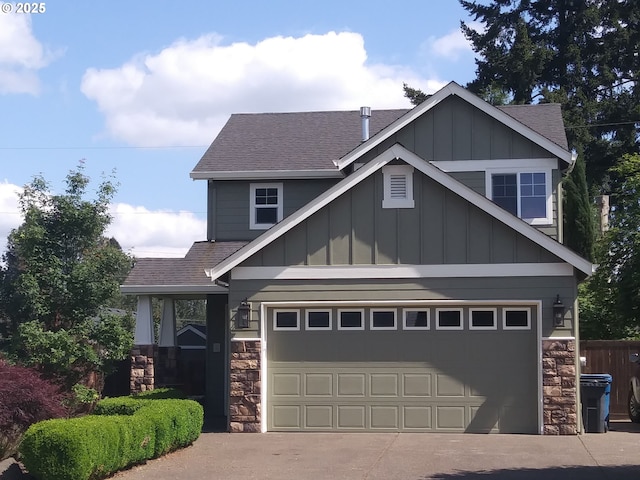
(124,431)
(161,393)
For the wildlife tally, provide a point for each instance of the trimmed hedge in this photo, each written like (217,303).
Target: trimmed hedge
(123,432)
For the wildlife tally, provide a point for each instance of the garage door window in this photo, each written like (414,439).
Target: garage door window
(483,319)
(516,318)
(318,320)
(286,320)
(383,319)
(416,319)
(449,319)
(351,320)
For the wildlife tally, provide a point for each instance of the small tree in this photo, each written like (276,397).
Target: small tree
(59,270)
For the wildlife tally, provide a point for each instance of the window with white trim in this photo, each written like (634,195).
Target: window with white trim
(350,319)
(415,319)
(383,319)
(318,320)
(483,319)
(523,193)
(266,205)
(286,320)
(397,186)
(449,319)
(516,318)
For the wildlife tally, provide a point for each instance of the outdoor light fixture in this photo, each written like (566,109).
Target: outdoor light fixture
(243,316)
(558,312)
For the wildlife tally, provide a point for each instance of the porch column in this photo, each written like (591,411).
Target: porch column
(168,324)
(142,356)
(144,322)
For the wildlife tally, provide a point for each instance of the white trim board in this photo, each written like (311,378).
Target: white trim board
(482,165)
(394,152)
(171,289)
(452,89)
(403,271)
(266,175)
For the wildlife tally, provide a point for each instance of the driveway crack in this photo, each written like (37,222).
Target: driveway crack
(382,454)
(586,449)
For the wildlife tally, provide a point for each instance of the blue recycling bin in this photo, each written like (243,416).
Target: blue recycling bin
(595,394)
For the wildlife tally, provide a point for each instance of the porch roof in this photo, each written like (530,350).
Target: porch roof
(179,276)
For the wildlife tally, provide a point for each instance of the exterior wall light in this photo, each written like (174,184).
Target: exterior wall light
(243,316)
(558,312)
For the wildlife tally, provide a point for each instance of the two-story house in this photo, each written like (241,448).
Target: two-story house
(397,270)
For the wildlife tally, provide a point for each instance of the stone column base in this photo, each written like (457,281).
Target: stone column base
(245,387)
(559,389)
(143,368)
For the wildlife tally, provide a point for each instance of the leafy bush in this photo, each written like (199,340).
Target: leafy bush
(25,398)
(161,393)
(86,447)
(128,430)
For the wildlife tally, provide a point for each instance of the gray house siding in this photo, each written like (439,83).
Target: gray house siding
(407,290)
(229,204)
(442,229)
(455,130)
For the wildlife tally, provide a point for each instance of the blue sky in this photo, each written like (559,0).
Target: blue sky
(143,87)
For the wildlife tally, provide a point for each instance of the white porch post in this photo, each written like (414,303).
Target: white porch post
(168,324)
(144,322)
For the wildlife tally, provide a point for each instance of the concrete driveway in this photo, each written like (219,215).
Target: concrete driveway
(405,456)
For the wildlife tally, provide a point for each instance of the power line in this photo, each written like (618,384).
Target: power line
(106,148)
(632,122)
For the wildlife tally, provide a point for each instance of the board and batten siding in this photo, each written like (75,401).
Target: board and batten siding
(405,291)
(456,130)
(229,204)
(443,228)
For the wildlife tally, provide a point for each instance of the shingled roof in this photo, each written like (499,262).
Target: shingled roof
(288,141)
(182,272)
(306,141)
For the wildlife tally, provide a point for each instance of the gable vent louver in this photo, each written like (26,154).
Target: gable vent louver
(398,187)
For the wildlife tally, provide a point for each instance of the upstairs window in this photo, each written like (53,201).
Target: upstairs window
(266,205)
(526,195)
(397,186)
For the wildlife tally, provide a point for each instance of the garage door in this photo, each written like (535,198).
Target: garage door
(434,369)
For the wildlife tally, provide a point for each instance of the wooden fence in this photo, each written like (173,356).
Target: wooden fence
(612,357)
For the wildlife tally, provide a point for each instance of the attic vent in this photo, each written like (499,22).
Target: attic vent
(398,186)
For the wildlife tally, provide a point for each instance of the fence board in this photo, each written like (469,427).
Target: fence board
(612,356)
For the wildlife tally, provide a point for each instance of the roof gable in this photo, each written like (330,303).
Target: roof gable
(453,88)
(399,152)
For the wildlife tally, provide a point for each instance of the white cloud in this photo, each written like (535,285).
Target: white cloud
(21,55)
(147,233)
(185,93)
(141,232)
(452,45)
(10,217)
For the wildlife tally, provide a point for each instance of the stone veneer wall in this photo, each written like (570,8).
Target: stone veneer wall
(244,402)
(560,410)
(142,368)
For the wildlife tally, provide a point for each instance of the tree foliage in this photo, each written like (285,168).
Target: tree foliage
(610,300)
(59,271)
(579,230)
(582,54)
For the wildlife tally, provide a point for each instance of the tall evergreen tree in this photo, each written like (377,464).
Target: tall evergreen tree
(580,53)
(579,231)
